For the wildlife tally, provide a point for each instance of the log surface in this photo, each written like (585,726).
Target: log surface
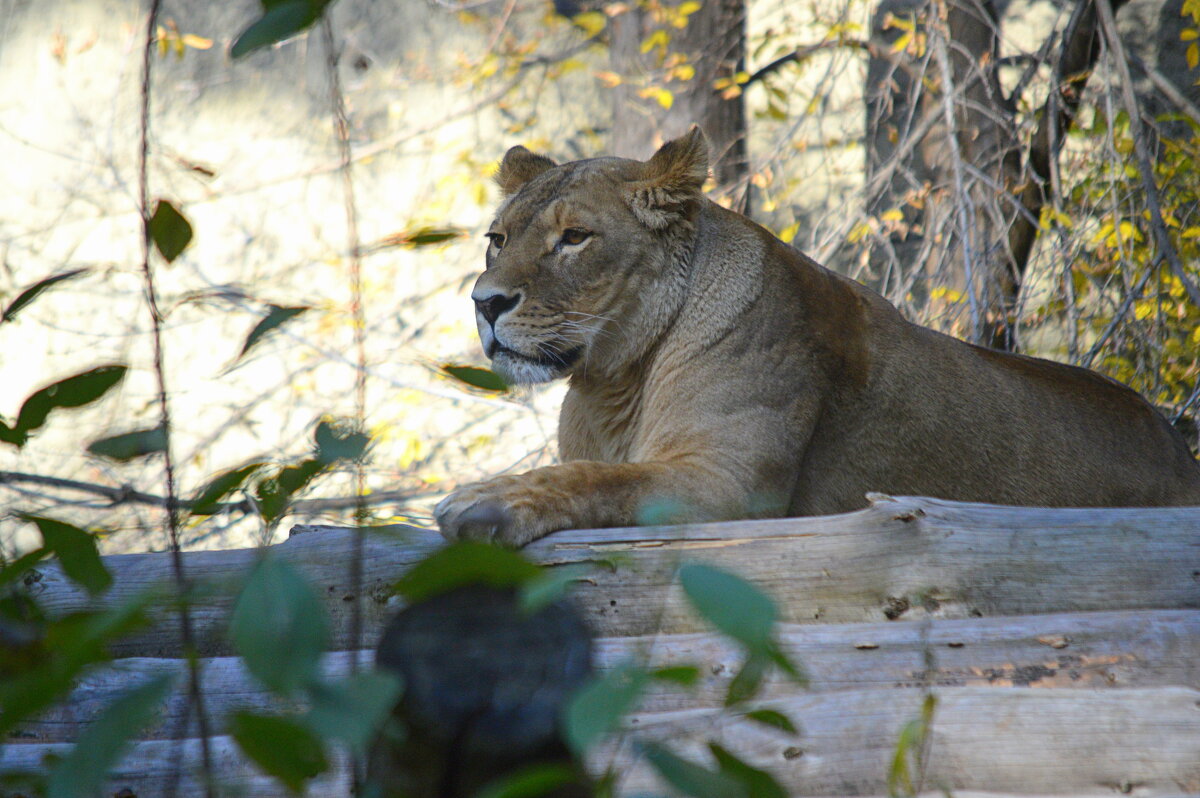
(1109,650)
(1144,741)
(903,558)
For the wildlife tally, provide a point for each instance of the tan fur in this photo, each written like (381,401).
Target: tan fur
(718,373)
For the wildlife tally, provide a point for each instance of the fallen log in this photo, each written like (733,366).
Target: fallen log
(902,558)
(1146,648)
(1143,741)
(1019,740)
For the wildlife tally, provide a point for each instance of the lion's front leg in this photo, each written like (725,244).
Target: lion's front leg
(514,510)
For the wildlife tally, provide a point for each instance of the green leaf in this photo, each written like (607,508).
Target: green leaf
(339,442)
(85,769)
(427,236)
(76,550)
(746,684)
(464,563)
(169,230)
(275,493)
(735,607)
(688,777)
(773,718)
(793,671)
(353,709)
(130,445)
(757,783)
(910,742)
(13,570)
(685,675)
(282,20)
(596,709)
(280,746)
(549,586)
(280,627)
(220,486)
(34,291)
(68,646)
(483,379)
(277,316)
(74,391)
(530,782)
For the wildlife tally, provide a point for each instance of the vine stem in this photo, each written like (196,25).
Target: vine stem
(195,695)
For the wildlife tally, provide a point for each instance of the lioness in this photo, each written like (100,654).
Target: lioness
(718,372)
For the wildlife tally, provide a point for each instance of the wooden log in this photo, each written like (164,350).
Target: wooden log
(902,558)
(1145,648)
(1021,740)
(161,768)
(1145,741)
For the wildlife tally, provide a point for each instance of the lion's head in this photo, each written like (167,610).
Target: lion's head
(588,261)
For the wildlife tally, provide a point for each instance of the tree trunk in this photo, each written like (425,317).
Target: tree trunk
(712,43)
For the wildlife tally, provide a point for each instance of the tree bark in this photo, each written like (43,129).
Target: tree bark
(713,43)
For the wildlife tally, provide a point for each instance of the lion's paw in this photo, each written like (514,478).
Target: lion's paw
(495,511)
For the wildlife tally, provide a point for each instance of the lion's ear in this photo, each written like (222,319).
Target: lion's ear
(519,167)
(673,177)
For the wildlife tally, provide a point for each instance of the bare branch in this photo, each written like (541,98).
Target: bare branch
(1145,165)
(126,494)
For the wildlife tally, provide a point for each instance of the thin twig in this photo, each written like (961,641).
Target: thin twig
(964,205)
(342,129)
(1119,317)
(195,695)
(126,494)
(341,126)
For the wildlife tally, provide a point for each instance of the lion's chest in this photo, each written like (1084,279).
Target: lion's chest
(601,425)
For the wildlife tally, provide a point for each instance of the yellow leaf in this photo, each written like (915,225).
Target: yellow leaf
(858,232)
(660,38)
(688,7)
(661,95)
(610,79)
(1193,55)
(570,65)
(592,22)
(1191,232)
(684,72)
(1063,220)
(197,42)
(742,77)
(894,215)
(902,43)
(949,294)
(1189,35)
(788,234)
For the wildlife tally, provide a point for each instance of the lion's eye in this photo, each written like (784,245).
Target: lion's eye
(575,235)
(497,240)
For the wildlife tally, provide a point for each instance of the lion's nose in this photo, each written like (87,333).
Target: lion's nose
(496,305)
